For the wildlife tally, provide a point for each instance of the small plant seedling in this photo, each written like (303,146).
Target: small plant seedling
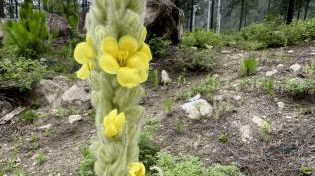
(60,112)
(181,80)
(305,170)
(40,158)
(34,138)
(223,138)
(168,104)
(46,132)
(265,128)
(248,66)
(156,78)
(179,125)
(33,147)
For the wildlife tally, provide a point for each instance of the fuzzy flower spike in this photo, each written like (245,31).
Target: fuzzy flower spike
(126,59)
(84,54)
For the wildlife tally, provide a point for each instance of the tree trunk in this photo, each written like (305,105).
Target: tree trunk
(241,17)
(209,9)
(191,15)
(306,7)
(194,15)
(212,12)
(16,8)
(1,8)
(219,17)
(268,7)
(290,11)
(246,7)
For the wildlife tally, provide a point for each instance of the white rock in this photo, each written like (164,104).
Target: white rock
(191,108)
(237,97)
(313,54)
(225,52)
(280,105)
(216,75)
(74,118)
(290,51)
(75,93)
(164,77)
(280,66)
(245,130)
(257,120)
(270,73)
(295,68)
(260,68)
(9,116)
(288,117)
(196,97)
(45,126)
(194,48)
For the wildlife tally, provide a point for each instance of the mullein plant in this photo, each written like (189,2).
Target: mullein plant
(115,60)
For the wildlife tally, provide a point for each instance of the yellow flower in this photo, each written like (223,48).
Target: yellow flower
(136,169)
(126,59)
(113,123)
(84,54)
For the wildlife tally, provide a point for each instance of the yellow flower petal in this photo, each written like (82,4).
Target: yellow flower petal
(109,64)
(136,169)
(89,40)
(143,34)
(128,43)
(84,53)
(144,74)
(137,61)
(83,72)
(113,124)
(109,44)
(128,77)
(146,49)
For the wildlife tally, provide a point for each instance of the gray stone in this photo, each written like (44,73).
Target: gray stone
(74,118)
(288,117)
(237,97)
(45,126)
(257,120)
(313,54)
(57,22)
(9,116)
(194,48)
(218,98)
(290,51)
(191,108)
(47,91)
(280,66)
(270,73)
(75,93)
(225,52)
(280,105)
(196,97)
(296,68)
(164,77)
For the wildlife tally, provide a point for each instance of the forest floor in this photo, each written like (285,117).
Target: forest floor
(292,135)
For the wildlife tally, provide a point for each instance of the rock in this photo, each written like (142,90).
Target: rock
(83,23)
(296,68)
(163,17)
(5,106)
(290,51)
(76,93)
(45,126)
(245,130)
(194,48)
(47,91)
(260,68)
(9,116)
(74,118)
(288,117)
(313,54)
(280,67)
(257,120)
(225,52)
(237,97)
(196,97)
(218,98)
(280,105)
(59,23)
(164,77)
(191,108)
(270,73)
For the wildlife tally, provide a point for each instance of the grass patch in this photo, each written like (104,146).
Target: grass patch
(266,128)
(28,116)
(298,87)
(168,104)
(40,158)
(267,84)
(248,66)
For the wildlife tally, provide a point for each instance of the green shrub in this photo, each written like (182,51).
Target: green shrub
(266,128)
(23,71)
(267,84)
(201,38)
(40,158)
(160,47)
(86,165)
(220,170)
(28,37)
(248,66)
(187,166)
(305,170)
(298,87)
(168,104)
(28,116)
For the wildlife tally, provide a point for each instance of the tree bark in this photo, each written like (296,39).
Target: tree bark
(219,17)
(246,7)
(1,8)
(241,17)
(209,9)
(191,15)
(212,12)
(268,7)
(290,11)
(306,8)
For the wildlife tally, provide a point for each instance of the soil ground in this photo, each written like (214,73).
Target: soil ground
(292,139)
